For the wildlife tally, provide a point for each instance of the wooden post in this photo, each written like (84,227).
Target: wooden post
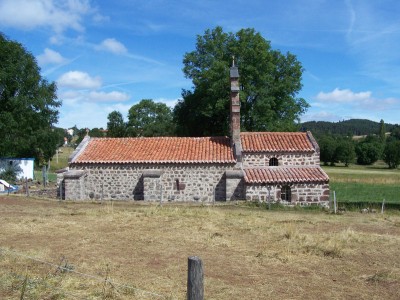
(383,206)
(26,186)
(195,286)
(44,175)
(61,189)
(269,197)
(161,192)
(334,201)
(214,195)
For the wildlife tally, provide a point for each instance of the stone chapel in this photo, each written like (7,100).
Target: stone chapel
(281,167)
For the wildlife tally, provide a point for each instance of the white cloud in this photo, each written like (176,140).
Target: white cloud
(99,18)
(56,14)
(122,108)
(79,80)
(321,116)
(343,96)
(78,111)
(169,102)
(361,100)
(50,57)
(113,46)
(113,96)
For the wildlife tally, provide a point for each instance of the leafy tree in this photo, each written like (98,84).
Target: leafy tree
(327,145)
(61,134)
(391,153)
(382,131)
(368,153)
(269,83)
(395,132)
(148,118)
(345,151)
(97,132)
(28,105)
(116,126)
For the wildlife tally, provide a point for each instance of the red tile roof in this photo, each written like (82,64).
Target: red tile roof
(157,150)
(285,175)
(276,142)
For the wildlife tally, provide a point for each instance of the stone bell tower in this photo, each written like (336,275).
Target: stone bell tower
(235,112)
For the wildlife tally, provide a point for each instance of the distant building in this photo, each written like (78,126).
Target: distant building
(279,167)
(23,167)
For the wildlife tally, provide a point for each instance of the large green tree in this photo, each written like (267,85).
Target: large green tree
(345,151)
(327,145)
(116,126)
(369,150)
(148,118)
(269,83)
(28,105)
(391,153)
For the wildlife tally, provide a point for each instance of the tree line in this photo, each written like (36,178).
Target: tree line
(364,151)
(352,127)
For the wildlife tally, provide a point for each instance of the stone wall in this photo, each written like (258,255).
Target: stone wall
(177,182)
(235,189)
(74,183)
(316,193)
(284,159)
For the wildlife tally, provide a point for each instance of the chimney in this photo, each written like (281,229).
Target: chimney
(235,112)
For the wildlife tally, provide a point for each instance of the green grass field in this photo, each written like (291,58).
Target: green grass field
(365,183)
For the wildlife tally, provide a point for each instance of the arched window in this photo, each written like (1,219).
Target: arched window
(286,193)
(273,162)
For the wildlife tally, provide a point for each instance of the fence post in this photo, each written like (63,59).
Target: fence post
(61,189)
(26,187)
(195,286)
(383,206)
(334,201)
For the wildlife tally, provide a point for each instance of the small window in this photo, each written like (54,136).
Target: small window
(180,186)
(286,193)
(273,162)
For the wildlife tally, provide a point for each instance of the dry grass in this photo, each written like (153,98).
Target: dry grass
(363,174)
(247,253)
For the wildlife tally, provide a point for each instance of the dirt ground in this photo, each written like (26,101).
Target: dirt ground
(248,253)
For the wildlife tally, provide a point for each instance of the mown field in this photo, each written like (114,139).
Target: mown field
(365,184)
(248,252)
(67,250)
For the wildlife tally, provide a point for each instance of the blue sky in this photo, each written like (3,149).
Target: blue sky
(108,55)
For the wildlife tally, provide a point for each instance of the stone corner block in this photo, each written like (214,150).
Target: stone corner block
(152,173)
(234,174)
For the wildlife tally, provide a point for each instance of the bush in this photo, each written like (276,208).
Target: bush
(9,175)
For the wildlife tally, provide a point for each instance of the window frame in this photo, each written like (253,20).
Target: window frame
(273,162)
(286,193)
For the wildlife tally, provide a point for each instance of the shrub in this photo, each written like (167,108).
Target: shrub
(9,175)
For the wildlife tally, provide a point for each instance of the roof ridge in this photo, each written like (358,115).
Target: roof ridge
(273,132)
(284,167)
(159,137)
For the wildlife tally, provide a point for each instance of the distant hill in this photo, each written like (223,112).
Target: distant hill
(349,127)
